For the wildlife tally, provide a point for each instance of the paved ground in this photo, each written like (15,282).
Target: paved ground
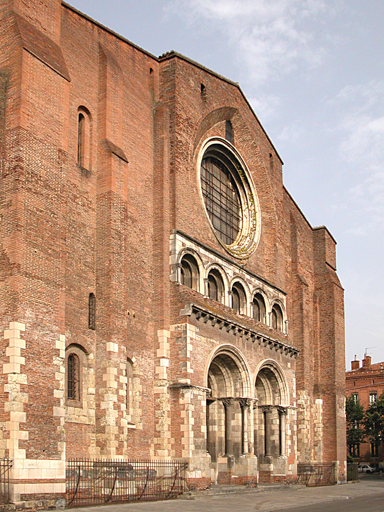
(366,495)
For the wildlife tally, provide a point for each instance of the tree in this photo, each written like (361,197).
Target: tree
(374,421)
(355,431)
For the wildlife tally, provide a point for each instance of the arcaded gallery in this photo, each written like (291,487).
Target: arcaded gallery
(163,297)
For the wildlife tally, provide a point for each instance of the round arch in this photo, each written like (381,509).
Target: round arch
(224,276)
(217,283)
(229,352)
(228,377)
(280,304)
(260,291)
(270,371)
(199,263)
(240,295)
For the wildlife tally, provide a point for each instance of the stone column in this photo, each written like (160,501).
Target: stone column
(282,419)
(228,402)
(211,446)
(244,404)
(267,411)
(206,294)
(255,418)
(178,270)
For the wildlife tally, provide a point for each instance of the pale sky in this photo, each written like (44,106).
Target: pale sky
(313,71)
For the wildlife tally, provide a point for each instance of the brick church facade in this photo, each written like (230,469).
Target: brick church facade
(161,294)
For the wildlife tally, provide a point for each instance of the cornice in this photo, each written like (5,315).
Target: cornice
(230,326)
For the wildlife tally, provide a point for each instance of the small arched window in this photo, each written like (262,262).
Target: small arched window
(129,395)
(229,131)
(277,318)
(83,138)
(238,298)
(92,311)
(189,272)
(258,308)
(73,377)
(215,286)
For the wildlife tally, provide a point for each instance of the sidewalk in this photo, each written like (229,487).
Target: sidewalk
(263,499)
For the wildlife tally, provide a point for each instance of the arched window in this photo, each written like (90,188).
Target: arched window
(80,139)
(129,395)
(92,311)
(277,318)
(83,138)
(189,272)
(258,308)
(73,377)
(215,286)
(133,395)
(229,197)
(238,298)
(229,131)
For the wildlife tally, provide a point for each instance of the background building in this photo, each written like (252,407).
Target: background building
(366,384)
(162,295)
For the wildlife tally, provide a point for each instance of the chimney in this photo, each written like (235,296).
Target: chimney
(367,362)
(355,364)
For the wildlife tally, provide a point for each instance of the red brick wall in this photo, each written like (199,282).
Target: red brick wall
(68,231)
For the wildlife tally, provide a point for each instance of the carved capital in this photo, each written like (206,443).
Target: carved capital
(227,402)
(267,408)
(244,402)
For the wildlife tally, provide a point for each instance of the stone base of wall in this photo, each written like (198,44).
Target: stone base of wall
(265,477)
(224,477)
(279,479)
(34,504)
(250,481)
(237,472)
(198,484)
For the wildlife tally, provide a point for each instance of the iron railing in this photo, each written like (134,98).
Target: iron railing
(316,474)
(94,482)
(5,466)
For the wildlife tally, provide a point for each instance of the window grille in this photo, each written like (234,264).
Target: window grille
(73,381)
(372,398)
(92,311)
(129,395)
(222,199)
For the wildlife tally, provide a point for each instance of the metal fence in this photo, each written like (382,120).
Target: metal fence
(94,482)
(5,466)
(314,475)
